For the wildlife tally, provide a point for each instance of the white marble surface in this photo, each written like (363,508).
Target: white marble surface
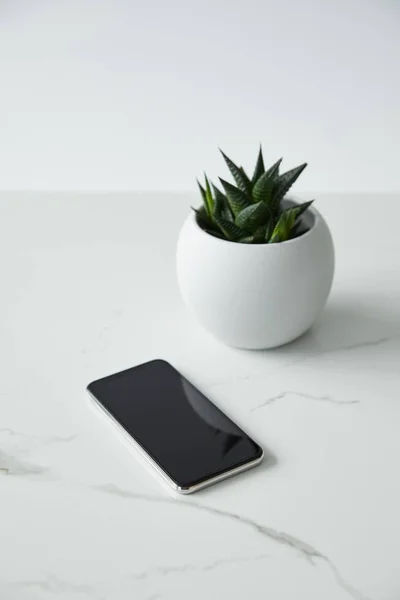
(88,288)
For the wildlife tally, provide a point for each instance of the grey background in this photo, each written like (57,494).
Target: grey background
(128,95)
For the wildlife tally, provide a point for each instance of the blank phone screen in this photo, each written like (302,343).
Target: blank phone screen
(183,431)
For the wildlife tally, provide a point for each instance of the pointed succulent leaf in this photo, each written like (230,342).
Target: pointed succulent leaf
(204,197)
(237,199)
(273,171)
(297,210)
(215,233)
(287,221)
(229,229)
(249,185)
(285,182)
(218,194)
(253,216)
(300,227)
(248,239)
(209,196)
(201,214)
(301,208)
(297,230)
(219,200)
(269,229)
(228,214)
(239,175)
(281,231)
(259,234)
(221,205)
(262,191)
(203,219)
(259,169)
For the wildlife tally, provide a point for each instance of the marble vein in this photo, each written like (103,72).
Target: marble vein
(188,568)
(307,355)
(323,398)
(303,549)
(45,439)
(12,466)
(54,585)
(342,348)
(12,458)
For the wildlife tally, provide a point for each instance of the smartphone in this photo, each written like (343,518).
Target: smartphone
(181,433)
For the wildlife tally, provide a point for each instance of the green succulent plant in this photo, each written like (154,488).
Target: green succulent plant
(251,212)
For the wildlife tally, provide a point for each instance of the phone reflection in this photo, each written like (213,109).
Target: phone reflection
(230,435)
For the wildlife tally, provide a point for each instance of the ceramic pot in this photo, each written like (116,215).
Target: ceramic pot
(256,295)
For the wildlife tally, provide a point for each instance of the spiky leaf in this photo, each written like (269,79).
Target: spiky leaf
(259,234)
(248,239)
(298,229)
(215,233)
(221,206)
(229,229)
(228,214)
(237,199)
(239,175)
(253,216)
(273,171)
(285,182)
(204,197)
(262,191)
(259,169)
(209,196)
(301,208)
(286,222)
(219,200)
(249,185)
(203,219)
(269,229)
(281,231)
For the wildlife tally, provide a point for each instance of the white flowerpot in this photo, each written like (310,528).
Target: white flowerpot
(256,295)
